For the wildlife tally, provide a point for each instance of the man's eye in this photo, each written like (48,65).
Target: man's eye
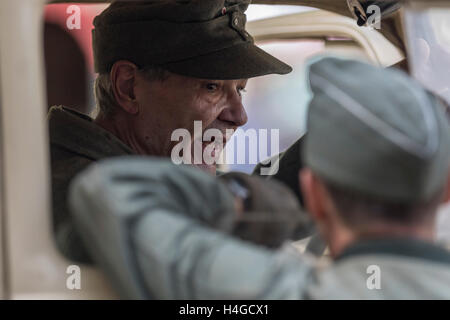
(212,86)
(241,90)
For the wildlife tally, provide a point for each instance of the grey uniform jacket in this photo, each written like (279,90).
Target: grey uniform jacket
(148,225)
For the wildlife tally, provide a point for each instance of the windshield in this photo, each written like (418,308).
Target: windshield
(428,34)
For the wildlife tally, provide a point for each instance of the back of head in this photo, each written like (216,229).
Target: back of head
(378,140)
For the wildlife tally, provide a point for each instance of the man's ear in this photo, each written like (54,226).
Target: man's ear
(309,187)
(123,77)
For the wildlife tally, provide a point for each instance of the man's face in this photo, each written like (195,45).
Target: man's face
(177,102)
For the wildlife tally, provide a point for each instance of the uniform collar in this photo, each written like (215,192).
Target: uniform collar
(406,247)
(79,134)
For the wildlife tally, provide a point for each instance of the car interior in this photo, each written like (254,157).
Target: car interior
(44,63)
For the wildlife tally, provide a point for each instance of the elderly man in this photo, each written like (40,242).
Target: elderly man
(376,159)
(162,65)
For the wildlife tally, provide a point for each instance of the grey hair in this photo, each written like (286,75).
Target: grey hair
(360,211)
(105,101)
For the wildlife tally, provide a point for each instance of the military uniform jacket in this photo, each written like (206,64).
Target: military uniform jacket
(75,142)
(156,242)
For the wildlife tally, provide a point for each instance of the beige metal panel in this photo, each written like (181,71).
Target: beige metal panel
(322,23)
(35,269)
(3,283)
(337,6)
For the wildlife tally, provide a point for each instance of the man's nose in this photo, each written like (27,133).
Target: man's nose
(234,113)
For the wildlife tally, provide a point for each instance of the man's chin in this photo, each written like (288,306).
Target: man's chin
(210,168)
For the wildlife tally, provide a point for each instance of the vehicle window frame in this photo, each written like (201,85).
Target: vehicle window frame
(3,257)
(26,227)
(322,24)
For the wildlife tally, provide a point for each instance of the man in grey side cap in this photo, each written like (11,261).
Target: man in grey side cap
(162,65)
(376,159)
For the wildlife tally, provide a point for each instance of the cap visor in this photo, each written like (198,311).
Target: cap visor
(238,62)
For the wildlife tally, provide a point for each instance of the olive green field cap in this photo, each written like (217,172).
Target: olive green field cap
(195,38)
(376,132)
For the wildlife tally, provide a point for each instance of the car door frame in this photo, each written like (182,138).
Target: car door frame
(321,24)
(3,270)
(35,269)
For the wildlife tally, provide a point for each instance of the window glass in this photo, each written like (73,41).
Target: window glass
(428,32)
(429,48)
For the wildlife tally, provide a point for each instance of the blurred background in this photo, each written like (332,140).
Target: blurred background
(272,102)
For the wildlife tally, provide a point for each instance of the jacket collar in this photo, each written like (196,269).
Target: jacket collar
(406,247)
(78,133)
